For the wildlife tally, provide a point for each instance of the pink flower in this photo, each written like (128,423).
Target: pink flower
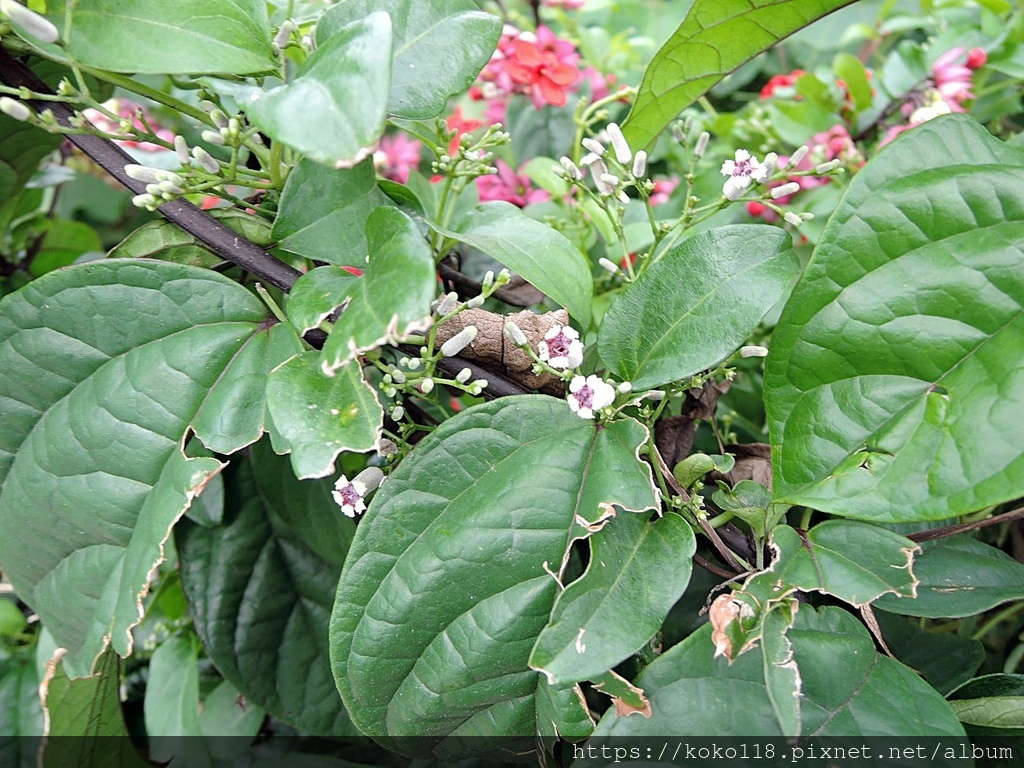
(509,186)
(396,157)
(569,5)
(561,347)
(546,79)
(460,124)
(134,114)
(589,395)
(663,188)
(952,80)
(599,83)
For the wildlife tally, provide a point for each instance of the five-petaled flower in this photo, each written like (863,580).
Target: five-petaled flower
(543,67)
(589,395)
(743,170)
(349,496)
(561,347)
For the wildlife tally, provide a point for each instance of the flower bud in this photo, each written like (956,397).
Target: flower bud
(798,156)
(16,109)
(793,218)
(459,341)
(463,376)
(640,165)
(752,350)
(622,151)
(702,144)
(206,160)
(143,173)
(789,188)
(488,280)
(625,388)
(219,118)
(594,146)
(397,376)
(475,302)
(284,33)
(570,168)
(146,201)
(771,162)
(828,167)
(515,334)
(213,137)
(609,265)
(397,413)
(427,386)
(38,26)
(447,304)
(181,148)
(371,478)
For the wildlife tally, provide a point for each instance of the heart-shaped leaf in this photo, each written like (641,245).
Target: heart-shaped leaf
(392,299)
(451,575)
(697,304)
(542,256)
(714,39)
(341,92)
(317,294)
(427,69)
(894,386)
(261,588)
(107,366)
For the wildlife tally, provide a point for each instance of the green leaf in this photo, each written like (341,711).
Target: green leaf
(107,367)
(542,256)
(164,240)
(960,576)
(944,659)
(697,304)
(261,588)
(850,70)
(449,580)
(994,703)
(227,713)
(392,299)
(62,242)
(637,571)
(782,679)
(341,91)
(855,562)
(749,501)
(427,69)
(179,38)
(88,709)
(319,416)
(323,212)
(20,713)
(893,388)
(317,294)
(848,689)
(562,713)
(171,706)
(716,37)
(22,147)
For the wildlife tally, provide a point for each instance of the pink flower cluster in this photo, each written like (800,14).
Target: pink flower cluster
(134,114)
(540,64)
(509,186)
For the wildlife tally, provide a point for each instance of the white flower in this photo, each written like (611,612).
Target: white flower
(586,396)
(741,171)
(459,341)
(561,347)
(349,495)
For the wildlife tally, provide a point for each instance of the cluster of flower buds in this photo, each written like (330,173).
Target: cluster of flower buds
(465,157)
(161,185)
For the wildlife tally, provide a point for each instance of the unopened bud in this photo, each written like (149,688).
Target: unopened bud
(213,137)
(611,266)
(828,167)
(397,376)
(147,201)
(702,144)
(594,146)
(752,350)
(793,218)
(459,341)
(447,304)
(515,334)
(655,394)
(640,165)
(397,413)
(476,302)
(625,388)
(570,168)
(789,188)
(488,280)
(622,151)
(371,478)
(798,156)
(427,385)
(143,173)
(610,179)
(38,26)
(206,160)
(463,376)
(219,118)
(170,187)
(181,148)
(13,108)
(771,162)
(677,133)
(284,33)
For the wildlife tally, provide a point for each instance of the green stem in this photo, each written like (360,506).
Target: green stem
(1007,613)
(128,84)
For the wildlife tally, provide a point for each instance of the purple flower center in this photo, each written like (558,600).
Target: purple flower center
(585,397)
(742,168)
(350,495)
(559,345)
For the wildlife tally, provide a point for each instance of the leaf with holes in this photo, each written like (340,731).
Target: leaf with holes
(450,577)
(895,384)
(261,587)
(714,39)
(107,367)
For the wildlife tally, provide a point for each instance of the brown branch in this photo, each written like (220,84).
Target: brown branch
(953,530)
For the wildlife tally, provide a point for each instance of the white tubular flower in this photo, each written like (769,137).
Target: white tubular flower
(561,347)
(640,165)
(515,334)
(742,171)
(570,168)
(206,160)
(752,350)
(181,148)
(447,304)
(594,146)
(609,265)
(14,108)
(38,26)
(589,395)
(143,173)
(463,376)
(702,145)
(213,137)
(622,151)
(459,341)
(789,188)
(796,157)
(793,218)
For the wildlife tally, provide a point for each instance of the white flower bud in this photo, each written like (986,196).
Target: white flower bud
(170,187)
(488,279)
(427,386)
(640,165)
(515,334)
(797,156)
(622,197)
(677,133)
(397,413)
(219,118)
(463,376)
(789,188)
(386,447)
(459,341)
(655,394)
(397,376)
(447,304)
(611,266)
(480,384)
(570,168)
(213,137)
(475,302)
(234,126)
(206,160)
(181,148)
(702,144)
(828,167)
(622,151)
(610,179)
(414,364)
(793,218)
(16,109)
(371,478)
(503,278)
(806,215)
(147,201)
(752,350)
(308,43)
(284,33)
(143,173)
(594,146)
(771,162)
(38,26)
(625,388)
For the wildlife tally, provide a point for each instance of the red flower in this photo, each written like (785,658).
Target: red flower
(460,124)
(541,71)
(976,58)
(780,81)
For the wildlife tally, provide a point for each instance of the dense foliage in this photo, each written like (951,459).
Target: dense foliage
(545,371)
